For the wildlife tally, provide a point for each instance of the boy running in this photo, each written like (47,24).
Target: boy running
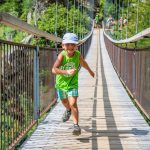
(66,70)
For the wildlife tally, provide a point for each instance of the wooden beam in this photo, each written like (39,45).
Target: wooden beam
(15,23)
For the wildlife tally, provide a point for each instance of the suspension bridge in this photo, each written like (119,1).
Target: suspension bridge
(113,106)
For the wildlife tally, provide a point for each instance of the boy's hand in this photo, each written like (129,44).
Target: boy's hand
(92,73)
(71,71)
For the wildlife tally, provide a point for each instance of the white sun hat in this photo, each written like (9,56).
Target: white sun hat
(70,38)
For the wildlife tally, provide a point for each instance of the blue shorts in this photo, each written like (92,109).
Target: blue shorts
(65,94)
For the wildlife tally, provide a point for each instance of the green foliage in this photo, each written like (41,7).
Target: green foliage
(48,21)
(101,9)
(26,7)
(12,120)
(137,15)
(77,22)
(109,9)
(10,6)
(10,34)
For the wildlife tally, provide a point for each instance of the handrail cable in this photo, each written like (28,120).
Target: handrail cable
(140,35)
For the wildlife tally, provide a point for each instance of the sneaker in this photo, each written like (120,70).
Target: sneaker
(66,115)
(76,130)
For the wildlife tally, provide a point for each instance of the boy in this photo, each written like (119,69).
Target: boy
(66,70)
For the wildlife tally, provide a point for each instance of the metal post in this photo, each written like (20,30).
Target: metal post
(134,73)
(36,85)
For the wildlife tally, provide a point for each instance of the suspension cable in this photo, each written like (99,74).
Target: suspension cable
(56,18)
(56,15)
(122,18)
(67,15)
(116,16)
(74,16)
(137,17)
(116,9)
(82,21)
(78,19)
(118,13)
(127,20)
(83,16)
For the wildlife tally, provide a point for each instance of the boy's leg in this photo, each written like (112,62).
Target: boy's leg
(63,96)
(74,108)
(67,112)
(75,115)
(65,102)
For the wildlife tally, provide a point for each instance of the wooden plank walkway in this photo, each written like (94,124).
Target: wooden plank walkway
(108,118)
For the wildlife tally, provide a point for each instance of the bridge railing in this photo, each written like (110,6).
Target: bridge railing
(133,68)
(26,83)
(16,91)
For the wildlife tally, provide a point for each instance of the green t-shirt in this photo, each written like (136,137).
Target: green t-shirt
(67,82)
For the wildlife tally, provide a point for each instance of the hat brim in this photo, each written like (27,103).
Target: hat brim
(69,42)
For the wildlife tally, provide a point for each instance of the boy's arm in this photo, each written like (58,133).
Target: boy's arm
(57,64)
(86,66)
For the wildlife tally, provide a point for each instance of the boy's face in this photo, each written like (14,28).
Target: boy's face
(69,48)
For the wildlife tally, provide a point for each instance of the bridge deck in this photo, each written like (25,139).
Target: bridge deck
(108,118)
